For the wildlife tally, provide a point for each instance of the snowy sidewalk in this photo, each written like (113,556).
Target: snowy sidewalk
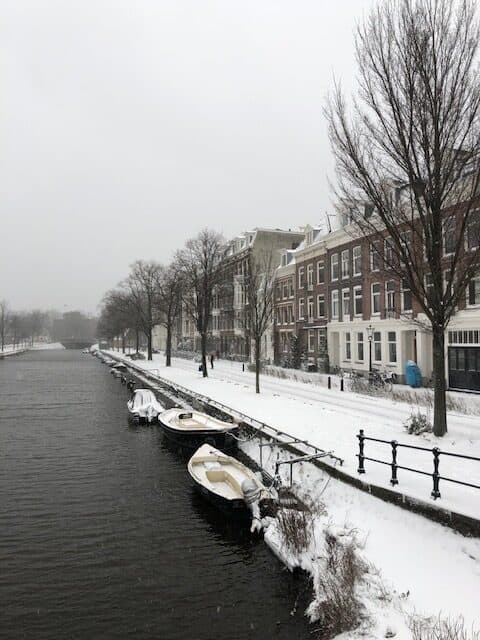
(331,419)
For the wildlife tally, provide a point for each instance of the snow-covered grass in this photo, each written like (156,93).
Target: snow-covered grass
(413,568)
(331,420)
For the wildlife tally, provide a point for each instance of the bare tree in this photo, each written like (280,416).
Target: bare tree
(407,156)
(118,314)
(199,264)
(3,321)
(142,287)
(259,292)
(170,301)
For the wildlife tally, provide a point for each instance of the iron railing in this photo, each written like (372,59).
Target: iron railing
(394,466)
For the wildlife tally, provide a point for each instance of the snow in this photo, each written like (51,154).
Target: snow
(425,568)
(331,420)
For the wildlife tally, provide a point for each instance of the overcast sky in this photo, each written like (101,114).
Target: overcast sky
(127,126)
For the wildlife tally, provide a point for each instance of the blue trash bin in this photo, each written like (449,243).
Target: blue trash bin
(413,375)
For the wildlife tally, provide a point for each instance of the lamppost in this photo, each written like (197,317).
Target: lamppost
(370,338)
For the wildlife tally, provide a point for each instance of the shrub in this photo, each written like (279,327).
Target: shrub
(441,629)
(418,423)
(296,528)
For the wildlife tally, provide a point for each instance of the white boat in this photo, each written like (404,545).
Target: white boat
(144,406)
(118,369)
(190,429)
(227,483)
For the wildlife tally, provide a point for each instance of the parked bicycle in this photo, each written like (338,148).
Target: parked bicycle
(382,379)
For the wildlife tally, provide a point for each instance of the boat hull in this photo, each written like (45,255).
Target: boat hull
(193,439)
(235,508)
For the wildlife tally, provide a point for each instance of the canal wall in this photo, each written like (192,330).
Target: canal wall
(464,524)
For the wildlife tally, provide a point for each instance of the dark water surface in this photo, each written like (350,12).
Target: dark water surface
(101,534)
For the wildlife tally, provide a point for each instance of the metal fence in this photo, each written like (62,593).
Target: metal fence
(436,452)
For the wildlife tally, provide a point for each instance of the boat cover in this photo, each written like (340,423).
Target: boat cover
(145,404)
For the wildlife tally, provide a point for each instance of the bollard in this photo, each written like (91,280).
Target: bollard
(329,382)
(341,384)
(436,476)
(361,438)
(394,479)
(243,366)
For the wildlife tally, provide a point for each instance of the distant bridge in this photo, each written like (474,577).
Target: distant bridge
(77,343)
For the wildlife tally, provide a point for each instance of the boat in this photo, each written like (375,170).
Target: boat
(118,369)
(144,406)
(190,429)
(228,484)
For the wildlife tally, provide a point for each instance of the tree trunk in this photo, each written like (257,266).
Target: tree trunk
(257,364)
(204,354)
(168,350)
(440,405)
(137,340)
(149,344)
(123,342)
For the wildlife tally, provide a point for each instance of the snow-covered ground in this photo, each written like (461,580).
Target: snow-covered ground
(331,419)
(426,569)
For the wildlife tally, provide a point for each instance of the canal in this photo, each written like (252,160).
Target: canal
(101,533)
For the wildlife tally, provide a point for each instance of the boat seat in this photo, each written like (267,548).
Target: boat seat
(220,475)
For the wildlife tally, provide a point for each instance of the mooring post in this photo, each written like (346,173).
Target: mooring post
(361,438)
(341,384)
(329,382)
(394,479)
(435,475)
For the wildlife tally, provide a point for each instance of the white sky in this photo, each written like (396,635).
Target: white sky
(127,126)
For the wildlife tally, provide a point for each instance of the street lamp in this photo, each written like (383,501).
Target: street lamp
(370,338)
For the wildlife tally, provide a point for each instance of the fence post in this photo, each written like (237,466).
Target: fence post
(361,438)
(436,476)
(394,479)
(341,384)
(329,382)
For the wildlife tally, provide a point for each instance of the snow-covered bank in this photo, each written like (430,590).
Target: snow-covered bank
(331,419)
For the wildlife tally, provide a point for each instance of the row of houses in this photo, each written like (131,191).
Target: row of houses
(341,304)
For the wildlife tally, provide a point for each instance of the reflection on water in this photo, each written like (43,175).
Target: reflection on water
(101,533)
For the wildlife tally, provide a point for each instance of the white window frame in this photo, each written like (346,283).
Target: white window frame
(389,343)
(375,342)
(475,305)
(311,340)
(335,298)
(362,343)
(310,316)
(374,254)
(346,316)
(347,349)
(301,275)
(345,260)
(321,297)
(301,309)
(357,260)
(403,290)
(332,263)
(448,219)
(310,275)
(321,268)
(388,251)
(389,293)
(374,296)
(355,298)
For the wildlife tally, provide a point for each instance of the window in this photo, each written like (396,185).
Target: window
(392,346)
(374,257)
(429,285)
(290,314)
(285,290)
(406,297)
(360,346)
(310,309)
(377,346)
(390,297)
(346,304)
(278,291)
(357,260)
(320,272)
(357,301)
(345,263)
(474,292)
(388,251)
(291,292)
(375,298)
(301,277)
(322,341)
(310,275)
(335,304)
(473,231)
(321,306)
(301,309)
(334,266)
(449,235)
(311,340)
(348,346)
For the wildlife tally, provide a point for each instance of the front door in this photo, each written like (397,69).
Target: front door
(464,368)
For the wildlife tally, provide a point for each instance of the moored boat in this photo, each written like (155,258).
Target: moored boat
(144,406)
(227,483)
(118,369)
(190,429)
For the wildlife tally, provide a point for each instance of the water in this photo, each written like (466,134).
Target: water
(101,533)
